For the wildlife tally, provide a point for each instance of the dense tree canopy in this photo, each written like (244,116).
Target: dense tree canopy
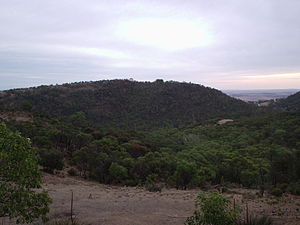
(127,104)
(252,152)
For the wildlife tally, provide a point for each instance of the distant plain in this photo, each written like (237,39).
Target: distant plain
(260,94)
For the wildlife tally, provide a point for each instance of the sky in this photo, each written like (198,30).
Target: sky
(232,44)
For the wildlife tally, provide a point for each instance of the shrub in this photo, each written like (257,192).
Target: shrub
(185,174)
(51,160)
(72,172)
(213,209)
(154,187)
(152,184)
(276,192)
(283,186)
(117,173)
(294,188)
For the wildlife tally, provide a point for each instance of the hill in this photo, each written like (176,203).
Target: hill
(252,152)
(128,104)
(290,103)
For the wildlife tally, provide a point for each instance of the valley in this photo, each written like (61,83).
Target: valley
(140,152)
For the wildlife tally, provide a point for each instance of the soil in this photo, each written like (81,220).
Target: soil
(17,116)
(99,204)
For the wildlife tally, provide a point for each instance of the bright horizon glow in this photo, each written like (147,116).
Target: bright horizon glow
(167,34)
(279,75)
(259,81)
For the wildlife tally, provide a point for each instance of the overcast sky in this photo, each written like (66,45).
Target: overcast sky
(225,44)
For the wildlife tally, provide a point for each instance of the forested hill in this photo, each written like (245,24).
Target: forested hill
(290,103)
(128,104)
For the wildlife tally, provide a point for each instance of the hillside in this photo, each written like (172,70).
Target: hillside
(290,103)
(251,152)
(128,104)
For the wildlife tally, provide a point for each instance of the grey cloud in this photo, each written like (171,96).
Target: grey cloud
(40,38)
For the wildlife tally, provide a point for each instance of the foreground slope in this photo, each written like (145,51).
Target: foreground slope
(128,104)
(105,204)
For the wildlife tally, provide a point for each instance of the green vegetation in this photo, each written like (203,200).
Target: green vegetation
(186,174)
(213,209)
(291,103)
(259,152)
(19,174)
(51,160)
(127,104)
(157,134)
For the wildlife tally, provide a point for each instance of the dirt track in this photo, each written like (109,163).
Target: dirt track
(99,204)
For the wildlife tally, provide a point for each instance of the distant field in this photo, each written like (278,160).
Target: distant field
(256,95)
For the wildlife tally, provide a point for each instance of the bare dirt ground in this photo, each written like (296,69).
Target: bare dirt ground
(100,204)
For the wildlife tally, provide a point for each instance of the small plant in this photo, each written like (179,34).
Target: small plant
(294,188)
(213,209)
(72,172)
(276,192)
(249,195)
(152,185)
(51,160)
(283,186)
(117,173)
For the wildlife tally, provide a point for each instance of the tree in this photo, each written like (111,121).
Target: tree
(185,174)
(213,209)
(51,160)
(82,159)
(79,119)
(19,174)
(117,173)
(26,105)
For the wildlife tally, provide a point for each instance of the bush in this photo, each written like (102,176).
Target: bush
(51,160)
(152,184)
(276,192)
(117,173)
(294,188)
(213,209)
(283,186)
(154,187)
(72,172)
(186,175)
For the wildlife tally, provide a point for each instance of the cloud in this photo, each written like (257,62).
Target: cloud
(81,39)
